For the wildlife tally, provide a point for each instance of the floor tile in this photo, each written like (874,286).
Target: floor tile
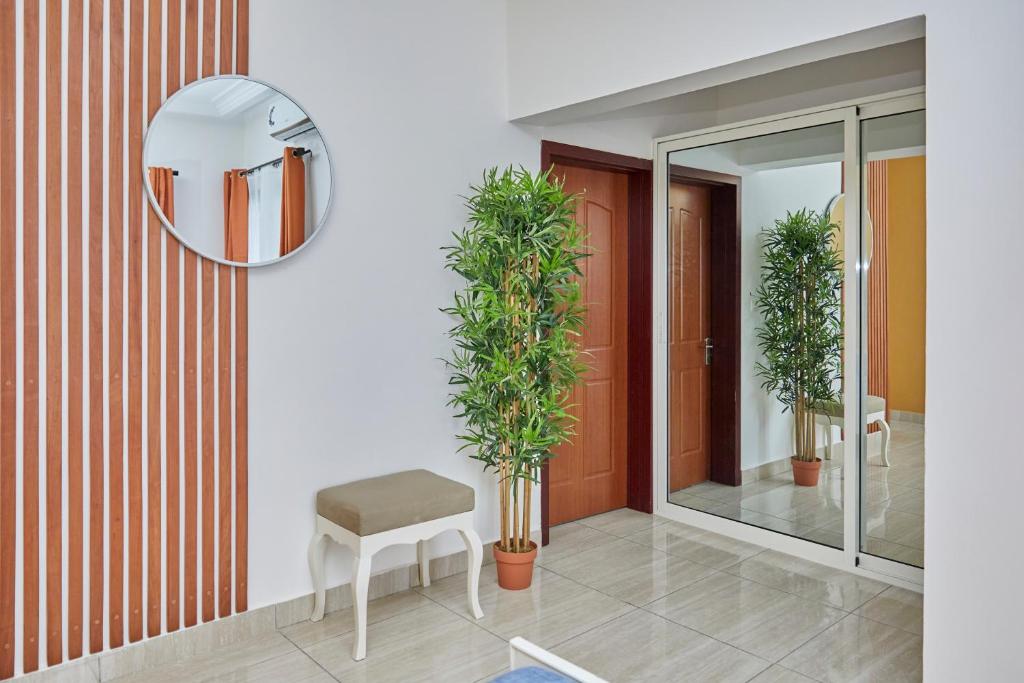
(425,644)
(336,623)
(858,649)
(219,662)
(688,500)
(641,646)
(697,545)
(295,667)
(622,522)
(896,607)
(569,539)
(760,519)
(753,617)
(82,671)
(778,674)
(808,579)
(552,610)
(631,572)
(911,501)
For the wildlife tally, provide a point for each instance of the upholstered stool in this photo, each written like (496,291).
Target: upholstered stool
(832,415)
(406,507)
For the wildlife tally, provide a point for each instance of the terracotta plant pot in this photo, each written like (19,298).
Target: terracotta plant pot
(515,570)
(806,473)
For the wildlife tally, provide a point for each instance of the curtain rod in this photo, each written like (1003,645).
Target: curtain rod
(297,152)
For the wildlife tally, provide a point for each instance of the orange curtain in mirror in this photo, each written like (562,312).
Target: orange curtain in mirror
(293,201)
(236,215)
(161,179)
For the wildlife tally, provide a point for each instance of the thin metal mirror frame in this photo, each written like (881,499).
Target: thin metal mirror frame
(178,235)
(849,558)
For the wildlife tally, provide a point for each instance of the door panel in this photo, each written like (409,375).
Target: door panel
(689,326)
(588,475)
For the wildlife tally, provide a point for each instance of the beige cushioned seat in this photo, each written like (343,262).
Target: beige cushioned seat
(872,404)
(371,506)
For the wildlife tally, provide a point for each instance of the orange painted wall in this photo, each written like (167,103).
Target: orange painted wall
(907,267)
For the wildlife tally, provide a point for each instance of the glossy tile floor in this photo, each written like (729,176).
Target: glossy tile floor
(895,501)
(626,595)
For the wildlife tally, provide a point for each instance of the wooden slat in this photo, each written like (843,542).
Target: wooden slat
(30,341)
(208,453)
(135,227)
(209,36)
(95,325)
(154,271)
(191,451)
(173,361)
(76,474)
(227,31)
(191,40)
(241,439)
(191,436)
(173,62)
(115,325)
(242,38)
(8,367)
(224,506)
(54,341)
(878,289)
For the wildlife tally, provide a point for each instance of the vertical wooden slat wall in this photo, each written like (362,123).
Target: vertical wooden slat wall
(123,356)
(878,294)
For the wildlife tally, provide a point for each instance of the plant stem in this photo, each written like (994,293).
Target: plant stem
(527,486)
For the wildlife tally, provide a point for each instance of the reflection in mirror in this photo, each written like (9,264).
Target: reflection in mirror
(893,349)
(739,410)
(238,170)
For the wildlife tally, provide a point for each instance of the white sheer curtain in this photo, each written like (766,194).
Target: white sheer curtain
(264,214)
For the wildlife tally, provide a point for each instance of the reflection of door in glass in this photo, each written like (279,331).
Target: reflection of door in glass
(689,334)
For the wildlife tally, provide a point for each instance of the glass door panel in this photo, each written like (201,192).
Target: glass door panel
(754,331)
(893,233)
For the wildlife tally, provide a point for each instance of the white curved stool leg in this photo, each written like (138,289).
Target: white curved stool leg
(316,569)
(424,562)
(475,553)
(360,587)
(885,441)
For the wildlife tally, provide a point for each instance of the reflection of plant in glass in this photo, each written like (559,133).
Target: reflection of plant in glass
(799,301)
(516,355)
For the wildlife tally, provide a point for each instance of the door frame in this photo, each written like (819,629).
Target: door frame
(639,368)
(724,282)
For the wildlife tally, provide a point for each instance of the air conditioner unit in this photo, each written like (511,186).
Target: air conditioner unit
(285,119)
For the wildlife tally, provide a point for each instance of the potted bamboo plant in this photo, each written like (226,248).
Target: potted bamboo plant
(516,341)
(801,336)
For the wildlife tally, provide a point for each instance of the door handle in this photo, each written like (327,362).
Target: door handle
(708,348)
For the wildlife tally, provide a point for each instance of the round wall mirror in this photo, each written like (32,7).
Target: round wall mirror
(238,171)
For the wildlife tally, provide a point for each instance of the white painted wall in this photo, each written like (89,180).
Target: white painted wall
(345,337)
(973,592)
(685,45)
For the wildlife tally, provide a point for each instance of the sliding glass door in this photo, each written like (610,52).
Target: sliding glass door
(892,457)
(785,298)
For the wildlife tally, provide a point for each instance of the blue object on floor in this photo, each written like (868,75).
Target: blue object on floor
(531,674)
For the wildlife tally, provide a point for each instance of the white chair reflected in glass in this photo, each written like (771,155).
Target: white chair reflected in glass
(833,414)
